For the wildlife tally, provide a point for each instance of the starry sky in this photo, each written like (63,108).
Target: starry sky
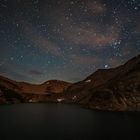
(66,39)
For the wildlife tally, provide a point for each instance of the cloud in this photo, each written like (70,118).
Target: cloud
(14,71)
(93,36)
(95,6)
(39,40)
(137,28)
(3,69)
(114,62)
(36,72)
(95,60)
(75,79)
(21,72)
(86,60)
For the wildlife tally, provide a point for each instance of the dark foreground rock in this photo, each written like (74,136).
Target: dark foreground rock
(109,89)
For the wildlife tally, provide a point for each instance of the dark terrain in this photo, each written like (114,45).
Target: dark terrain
(115,89)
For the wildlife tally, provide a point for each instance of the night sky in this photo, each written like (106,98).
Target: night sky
(66,39)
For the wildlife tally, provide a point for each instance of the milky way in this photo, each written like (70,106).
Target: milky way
(66,39)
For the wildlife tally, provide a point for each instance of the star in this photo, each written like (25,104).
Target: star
(106,66)
(66,39)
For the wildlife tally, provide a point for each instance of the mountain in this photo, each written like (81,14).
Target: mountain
(115,89)
(51,86)
(12,91)
(109,89)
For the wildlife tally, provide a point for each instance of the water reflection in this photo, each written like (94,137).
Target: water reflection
(51,121)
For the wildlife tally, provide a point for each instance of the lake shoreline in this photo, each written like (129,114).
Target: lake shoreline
(75,104)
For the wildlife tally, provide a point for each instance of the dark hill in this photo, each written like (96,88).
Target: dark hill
(109,89)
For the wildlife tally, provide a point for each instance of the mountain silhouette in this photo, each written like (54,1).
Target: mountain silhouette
(106,89)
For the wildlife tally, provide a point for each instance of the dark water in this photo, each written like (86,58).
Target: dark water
(59,121)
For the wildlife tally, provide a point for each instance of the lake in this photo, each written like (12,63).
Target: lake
(61,121)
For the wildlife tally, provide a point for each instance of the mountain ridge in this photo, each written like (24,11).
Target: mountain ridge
(106,89)
(119,85)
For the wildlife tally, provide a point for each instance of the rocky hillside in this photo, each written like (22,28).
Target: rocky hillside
(51,86)
(106,89)
(15,92)
(109,89)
